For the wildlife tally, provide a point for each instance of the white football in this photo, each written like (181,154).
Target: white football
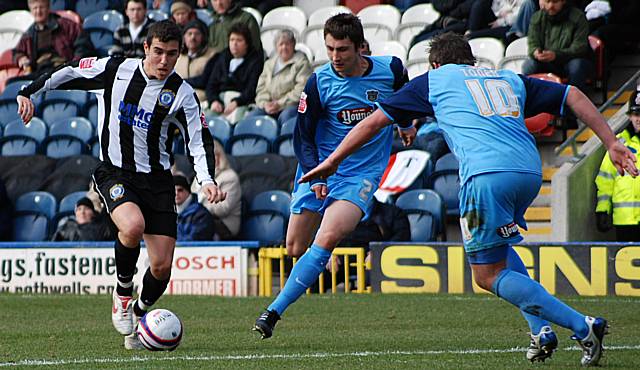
(160,330)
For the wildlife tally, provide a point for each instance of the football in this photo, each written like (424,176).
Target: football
(160,330)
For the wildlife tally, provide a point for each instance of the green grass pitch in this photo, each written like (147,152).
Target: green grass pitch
(322,332)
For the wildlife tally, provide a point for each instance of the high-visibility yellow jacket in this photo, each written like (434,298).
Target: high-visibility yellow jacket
(620,194)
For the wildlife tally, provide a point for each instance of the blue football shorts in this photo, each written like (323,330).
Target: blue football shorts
(355,189)
(492,206)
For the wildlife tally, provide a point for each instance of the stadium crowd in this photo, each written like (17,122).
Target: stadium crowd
(248,64)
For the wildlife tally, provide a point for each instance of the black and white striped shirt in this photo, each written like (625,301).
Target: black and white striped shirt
(137,115)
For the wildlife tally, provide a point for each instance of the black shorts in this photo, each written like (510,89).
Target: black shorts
(153,192)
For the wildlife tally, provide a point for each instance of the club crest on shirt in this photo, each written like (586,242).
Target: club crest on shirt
(372,95)
(166,98)
(302,105)
(87,63)
(116,192)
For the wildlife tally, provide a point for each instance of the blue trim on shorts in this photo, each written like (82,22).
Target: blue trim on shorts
(489,256)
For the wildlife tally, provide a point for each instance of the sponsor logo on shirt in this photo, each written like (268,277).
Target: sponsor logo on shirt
(508,230)
(353,116)
(87,63)
(302,105)
(134,116)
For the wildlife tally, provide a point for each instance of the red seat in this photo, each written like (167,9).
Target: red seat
(6,59)
(6,74)
(358,5)
(543,123)
(600,76)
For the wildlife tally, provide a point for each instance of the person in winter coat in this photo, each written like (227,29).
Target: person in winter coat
(194,57)
(86,225)
(194,221)
(226,13)
(282,80)
(237,68)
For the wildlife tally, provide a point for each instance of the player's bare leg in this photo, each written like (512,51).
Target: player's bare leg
(340,218)
(301,230)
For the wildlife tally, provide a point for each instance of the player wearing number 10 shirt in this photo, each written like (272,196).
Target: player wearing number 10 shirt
(481,112)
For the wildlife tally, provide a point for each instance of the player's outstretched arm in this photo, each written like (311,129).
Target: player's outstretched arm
(584,109)
(357,137)
(25,108)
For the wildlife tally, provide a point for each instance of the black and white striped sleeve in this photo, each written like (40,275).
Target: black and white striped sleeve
(87,74)
(197,137)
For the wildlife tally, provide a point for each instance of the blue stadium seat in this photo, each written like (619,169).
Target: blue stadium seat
(58,105)
(268,217)
(58,5)
(33,214)
(220,128)
(12,88)
(91,112)
(95,149)
(19,139)
(8,111)
(86,8)
(445,181)
(205,16)
(68,137)
(284,142)
(426,212)
(178,145)
(102,40)
(157,15)
(253,135)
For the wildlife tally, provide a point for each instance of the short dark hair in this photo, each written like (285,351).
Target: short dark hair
(143,2)
(345,26)
(242,30)
(450,48)
(165,31)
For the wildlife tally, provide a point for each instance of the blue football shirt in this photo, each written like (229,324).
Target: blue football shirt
(331,105)
(481,112)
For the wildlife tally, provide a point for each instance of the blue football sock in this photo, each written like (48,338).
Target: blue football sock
(531,297)
(514,263)
(302,276)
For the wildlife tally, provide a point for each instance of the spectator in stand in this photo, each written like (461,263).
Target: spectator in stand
(403,5)
(50,41)
(128,38)
(6,214)
(182,13)
(194,221)
(558,43)
(386,223)
(282,80)
(227,214)
(265,6)
(619,196)
(86,225)
(226,13)
(163,5)
(235,69)
(194,57)
(520,26)
(453,18)
(365,49)
(492,18)
(620,33)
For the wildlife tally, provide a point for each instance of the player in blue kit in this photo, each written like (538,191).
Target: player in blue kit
(336,97)
(481,112)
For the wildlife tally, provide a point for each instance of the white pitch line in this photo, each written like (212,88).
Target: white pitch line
(282,356)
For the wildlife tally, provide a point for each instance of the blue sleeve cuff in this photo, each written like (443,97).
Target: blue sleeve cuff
(317,182)
(385,112)
(564,100)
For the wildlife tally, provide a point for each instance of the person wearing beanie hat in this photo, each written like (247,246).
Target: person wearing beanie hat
(619,196)
(194,221)
(86,225)
(182,13)
(194,57)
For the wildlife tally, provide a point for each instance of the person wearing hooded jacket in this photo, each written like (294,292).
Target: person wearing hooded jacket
(619,196)
(225,14)
(194,57)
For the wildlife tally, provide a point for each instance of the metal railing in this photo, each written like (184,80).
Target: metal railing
(572,140)
(267,256)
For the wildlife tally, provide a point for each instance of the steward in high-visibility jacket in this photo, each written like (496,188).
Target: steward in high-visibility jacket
(619,196)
